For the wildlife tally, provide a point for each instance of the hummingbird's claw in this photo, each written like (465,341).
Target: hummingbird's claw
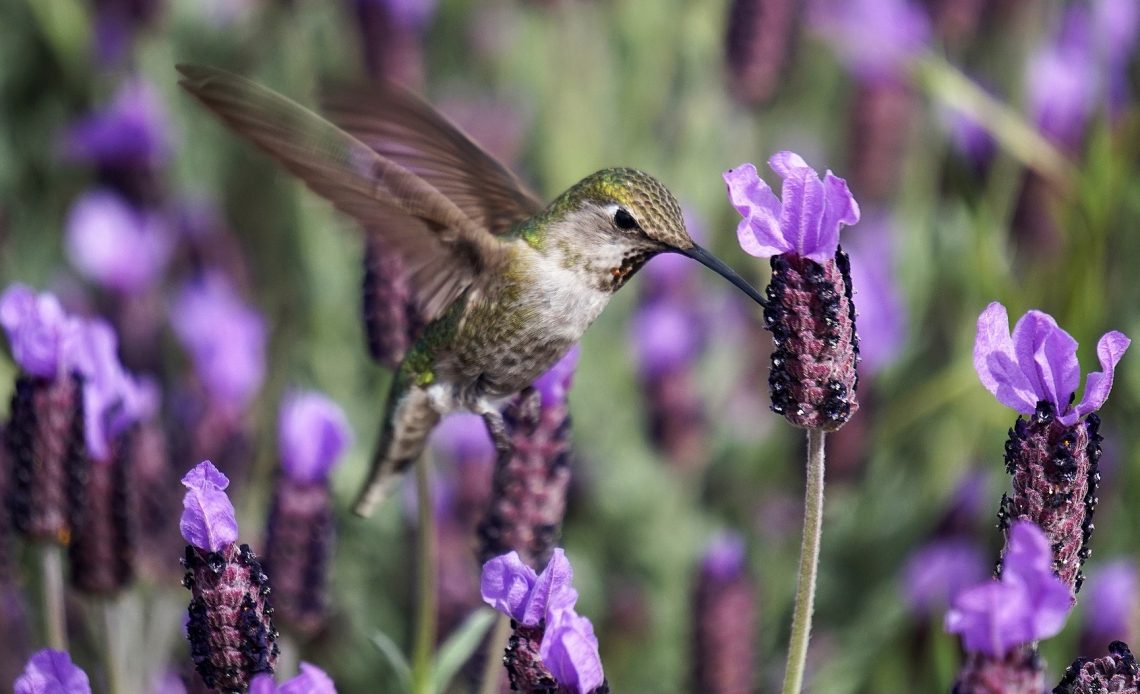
(497,428)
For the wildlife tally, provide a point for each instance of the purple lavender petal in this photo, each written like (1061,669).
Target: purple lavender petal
(52,672)
(996,363)
(1109,350)
(989,618)
(839,209)
(114,245)
(506,584)
(131,130)
(938,572)
(555,383)
(802,196)
(312,435)
(312,680)
(108,391)
(208,519)
(263,684)
(41,335)
(786,163)
(759,231)
(552,589)
(569,649)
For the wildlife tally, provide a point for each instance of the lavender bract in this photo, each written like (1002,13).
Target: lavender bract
(114,244)
(313,434)
(311,680)
(52,672)
(42,336)
(208,519)
(1028,603)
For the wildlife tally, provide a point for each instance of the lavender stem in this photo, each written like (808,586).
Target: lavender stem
(493,664)
(425,618)
(51,571)
(112,645)
(809,564)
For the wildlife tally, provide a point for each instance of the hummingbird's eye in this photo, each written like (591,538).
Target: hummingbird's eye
(624,220)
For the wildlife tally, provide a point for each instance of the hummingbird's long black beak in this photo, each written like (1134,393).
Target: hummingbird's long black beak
(717,265)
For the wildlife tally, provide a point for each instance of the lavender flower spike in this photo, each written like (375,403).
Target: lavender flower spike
(1038,362)
(805,223)
(1028,603)
(208,520)
(313,434)
(42,336)
(52,672)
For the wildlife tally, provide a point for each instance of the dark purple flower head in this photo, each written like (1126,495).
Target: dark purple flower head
(513,588)
(804,221)
(131,131)
(872,37)
(312,680)
(313,434)
(1111,601)
(555,383)
(1038,362)
(1028,603)
(938,572)
(225,338)
(42,337)
(52,672)
(882,314)
(725,556)
(115,245)
(569,649)
(666,336)
(208,519)
(1063,79)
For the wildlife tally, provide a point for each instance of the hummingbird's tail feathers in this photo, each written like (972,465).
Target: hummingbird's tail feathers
(409,420)
(415,218)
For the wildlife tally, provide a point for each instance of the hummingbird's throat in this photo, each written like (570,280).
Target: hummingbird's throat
(630,263)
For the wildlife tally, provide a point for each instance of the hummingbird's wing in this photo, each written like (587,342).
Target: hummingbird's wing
(402,127)
(445,249)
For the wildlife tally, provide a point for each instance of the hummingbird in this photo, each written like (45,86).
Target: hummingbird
(505,284)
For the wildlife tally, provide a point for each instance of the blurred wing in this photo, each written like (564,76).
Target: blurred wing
(403,128)
(445,249)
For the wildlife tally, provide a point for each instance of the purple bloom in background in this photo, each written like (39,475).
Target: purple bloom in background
(1038,362)
(938,572)
(42,337)
(665,336)
(52,672)
(874,38)
(882,314)
(208,519)
(312,680)
(967,135)
(724,558)
(131,131)
(1111,603)
(462,437)
(225,338)
(313,433)
(1117,24)
(115,245)
(1028,603)
(1063,79)
(112,399)
(807,221)
(555,383)
(411,14)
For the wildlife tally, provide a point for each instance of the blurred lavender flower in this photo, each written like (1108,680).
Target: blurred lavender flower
(391,317)
(759,41)
(230,629)
(225,338)
(882,314)
(113,400)
(115,245)
(1063,79)
(117,22)
(665,337)
(52,672)
(724,613)
(391,37)
(968,137)
(132,131)
(874,38)
(552,645)
(1117,26)
(939,571)
(313,434)
(312,680)
(1111,605)
(1028,603)
(809,313)
(1117,672)
(42,337)
(461,440)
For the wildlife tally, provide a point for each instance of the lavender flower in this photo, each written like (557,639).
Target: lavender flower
(391,319)
(936,574)
(391,33)
(52,672)
(882,313)
(1111,605)
(225,338)
(312,680)
(1117,26)
(874,38)
(131,131)
(1028,603)
(115,245)
(313,433)
(724,641)
(1063,80)
(810,313)
(552,645)
(230,629)
(112,399)
(759,41)
(1116,672)
(42,337)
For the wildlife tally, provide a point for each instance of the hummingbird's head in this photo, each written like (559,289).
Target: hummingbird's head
(631,217)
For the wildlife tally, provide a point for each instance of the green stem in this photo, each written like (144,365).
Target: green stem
(425,618)
(55,618)
(112,646)
(493,664)
(288,660)
(809,565)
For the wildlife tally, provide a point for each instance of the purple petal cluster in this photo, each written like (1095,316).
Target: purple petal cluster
(555,383)
(52,672)
(225,338)
(312,680)
(873,38)
(313,433)
(208,519)
(1038,362)
(114,244)
(42,336)
(1028,603)
(805,219)
(131,131)
(569,649)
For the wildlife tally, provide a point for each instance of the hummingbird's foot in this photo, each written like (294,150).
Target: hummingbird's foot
(497,428)
(529,407)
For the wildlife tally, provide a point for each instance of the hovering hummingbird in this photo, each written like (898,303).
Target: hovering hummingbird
(505,284)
